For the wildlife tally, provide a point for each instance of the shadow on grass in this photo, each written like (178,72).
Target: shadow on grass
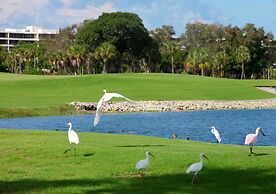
(262,154)
(146,145)
(88,154)
(210,181)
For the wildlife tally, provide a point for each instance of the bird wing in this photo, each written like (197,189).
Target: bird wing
(216,133)
(97,116)
(194,168)
(73,137)
(116,95)
(250,139)
(142,164)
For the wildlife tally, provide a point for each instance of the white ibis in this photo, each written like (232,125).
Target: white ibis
(196,167)
(143,164)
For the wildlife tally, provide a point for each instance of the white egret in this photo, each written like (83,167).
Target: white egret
(251,139)
(72,137)
(196,167)
(105,98)
(143,164)
(216,134)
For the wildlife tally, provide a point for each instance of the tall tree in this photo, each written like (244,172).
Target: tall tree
(124,30)
(198,60)
(242,57)
(3,56)
(163,35)
(76,52)
(105,52)
(219,60)
(171,49)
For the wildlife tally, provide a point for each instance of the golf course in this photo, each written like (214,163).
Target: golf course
(30,95)
(33,161)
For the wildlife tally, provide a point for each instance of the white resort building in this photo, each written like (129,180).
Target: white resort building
(10,37)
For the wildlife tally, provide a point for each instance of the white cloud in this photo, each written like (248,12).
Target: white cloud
(67,2)
(73,15)
(176,13)
(19,13)
(29,7)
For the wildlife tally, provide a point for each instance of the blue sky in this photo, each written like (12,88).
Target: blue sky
(154,13)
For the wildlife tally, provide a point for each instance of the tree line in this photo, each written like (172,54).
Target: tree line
(118,42)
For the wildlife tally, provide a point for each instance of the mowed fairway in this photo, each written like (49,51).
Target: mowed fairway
(33,162)
(32,91)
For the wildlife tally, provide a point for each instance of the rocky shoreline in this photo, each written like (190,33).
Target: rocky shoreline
(167,106)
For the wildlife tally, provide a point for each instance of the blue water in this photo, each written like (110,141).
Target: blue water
(233,125)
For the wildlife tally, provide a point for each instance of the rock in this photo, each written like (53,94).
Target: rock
(161,106)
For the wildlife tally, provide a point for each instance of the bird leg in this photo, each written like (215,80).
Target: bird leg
(193,179)
(217,141)
(67,151)
(75,151)
(141,173)
(251,150)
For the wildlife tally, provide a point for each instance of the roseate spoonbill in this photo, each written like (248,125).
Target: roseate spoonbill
(72,137)
(143,164)
(105,98)
(216,134)
(252,138)
(196,167)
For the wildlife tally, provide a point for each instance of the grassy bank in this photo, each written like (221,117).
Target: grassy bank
(33,162)
(30,92)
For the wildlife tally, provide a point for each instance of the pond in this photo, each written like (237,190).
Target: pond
(233,125)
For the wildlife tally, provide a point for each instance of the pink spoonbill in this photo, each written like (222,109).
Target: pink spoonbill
(252,138)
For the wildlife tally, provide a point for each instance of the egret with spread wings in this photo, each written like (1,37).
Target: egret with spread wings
(105,98)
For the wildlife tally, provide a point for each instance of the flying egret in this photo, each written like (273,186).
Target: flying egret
(196,167)
(252,138)
(72,137)
(216,134)
(105,98)
(143,164)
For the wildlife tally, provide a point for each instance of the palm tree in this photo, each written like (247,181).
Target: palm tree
(198,60)
(170,48)
(11,61)
(76,53)
(105,52)
(219,60)
(21,54)
(242,56)
(89,58)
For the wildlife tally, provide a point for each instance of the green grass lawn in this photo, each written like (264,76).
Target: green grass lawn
(33,162)
(24,95)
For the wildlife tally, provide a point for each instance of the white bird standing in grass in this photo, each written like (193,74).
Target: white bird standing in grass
(72,137)
(143,164)
(196,167)
(105,98)
(216,134)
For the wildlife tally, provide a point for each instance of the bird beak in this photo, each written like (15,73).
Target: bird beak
(206,157)
(262,133)
(151,155)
